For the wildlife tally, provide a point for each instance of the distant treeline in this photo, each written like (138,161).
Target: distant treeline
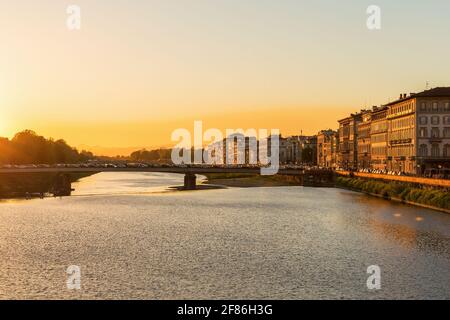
(160,155)
(29,148)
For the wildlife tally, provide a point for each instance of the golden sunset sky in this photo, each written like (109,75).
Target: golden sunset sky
(137,70)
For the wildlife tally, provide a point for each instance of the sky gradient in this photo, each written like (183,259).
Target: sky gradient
(137,70)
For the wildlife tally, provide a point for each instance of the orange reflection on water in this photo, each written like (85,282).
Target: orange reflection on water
(404,234)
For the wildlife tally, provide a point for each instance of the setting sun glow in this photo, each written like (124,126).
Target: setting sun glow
(136,72)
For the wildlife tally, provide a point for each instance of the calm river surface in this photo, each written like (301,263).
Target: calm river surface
(132,240)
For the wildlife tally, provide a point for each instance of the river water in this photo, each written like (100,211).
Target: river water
(132,239)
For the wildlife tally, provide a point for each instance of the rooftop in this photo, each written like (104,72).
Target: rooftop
(435,92)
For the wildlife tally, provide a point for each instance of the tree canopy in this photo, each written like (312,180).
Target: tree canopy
(151,156)
(29,148)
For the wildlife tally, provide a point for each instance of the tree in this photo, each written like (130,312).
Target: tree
(307,155)
(29,148)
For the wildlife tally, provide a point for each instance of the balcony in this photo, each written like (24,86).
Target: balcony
(435,139)
(447,158)
(401,141)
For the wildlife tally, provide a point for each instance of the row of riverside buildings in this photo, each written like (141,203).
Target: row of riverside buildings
(292,150)
(410,135)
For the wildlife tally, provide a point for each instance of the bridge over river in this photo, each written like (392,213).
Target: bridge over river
(189,172)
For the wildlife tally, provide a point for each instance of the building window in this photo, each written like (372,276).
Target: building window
(423,120)
(446,120)
(447,150)
(435,106)
(435,152)
(435,132)
(447,106)
(446,132)
(435,120)
(423,150)
(423,132)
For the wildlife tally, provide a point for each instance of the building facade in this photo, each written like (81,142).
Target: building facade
(410,135)
(378,139)
(401,153)
(326,148)
(294,150)
(419,132)
(335,149)
(363,140)
(348,152)
(433,130)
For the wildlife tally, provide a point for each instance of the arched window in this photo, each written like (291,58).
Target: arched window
(423,150)
(447,150)
(435,152)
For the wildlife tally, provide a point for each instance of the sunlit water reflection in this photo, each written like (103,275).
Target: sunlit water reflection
(132,240)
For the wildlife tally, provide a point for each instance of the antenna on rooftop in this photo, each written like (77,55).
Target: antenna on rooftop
(427,85)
